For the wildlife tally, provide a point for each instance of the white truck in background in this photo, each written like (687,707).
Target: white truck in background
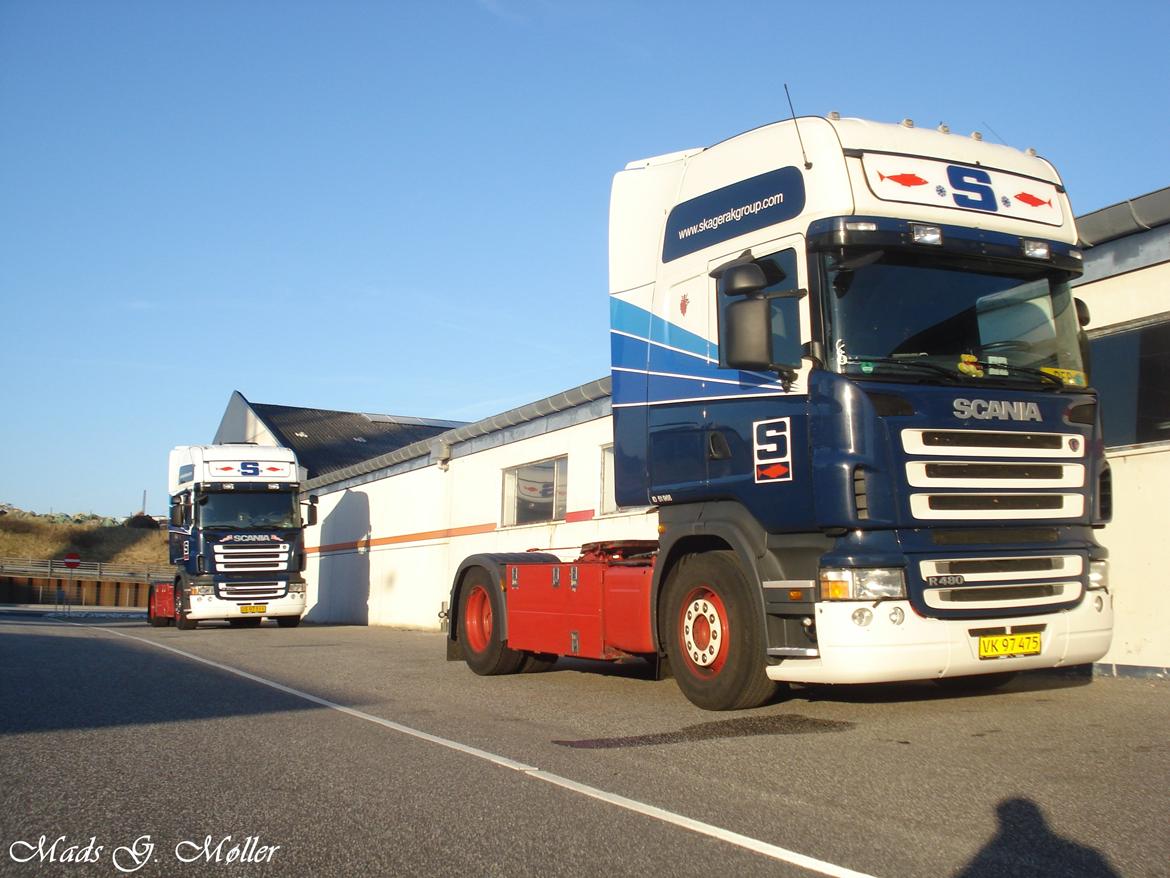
(236,538)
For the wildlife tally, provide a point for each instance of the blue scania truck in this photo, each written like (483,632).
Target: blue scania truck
(236,538)
(849,372)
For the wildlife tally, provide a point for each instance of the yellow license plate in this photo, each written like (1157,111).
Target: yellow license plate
(992,646)
(253,608)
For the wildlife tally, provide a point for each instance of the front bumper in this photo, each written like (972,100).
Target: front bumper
(923,648)
(210,608)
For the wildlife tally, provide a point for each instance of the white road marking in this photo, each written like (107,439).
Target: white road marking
(711,831)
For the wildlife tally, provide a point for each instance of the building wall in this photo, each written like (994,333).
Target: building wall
(1141,474)
(389,548)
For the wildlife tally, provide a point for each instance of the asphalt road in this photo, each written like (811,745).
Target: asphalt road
(360,751)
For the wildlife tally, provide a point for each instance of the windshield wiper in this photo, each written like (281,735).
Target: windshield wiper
(1022,370)
(914,364)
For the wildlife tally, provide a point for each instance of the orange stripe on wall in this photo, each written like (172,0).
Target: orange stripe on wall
(367,543)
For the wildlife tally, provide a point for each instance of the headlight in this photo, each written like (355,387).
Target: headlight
(202,589)
(862,583)
(1099,575)
(296,587)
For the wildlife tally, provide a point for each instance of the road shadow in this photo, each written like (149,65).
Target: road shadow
(931,690)
(52,681)
(1025,845)
(750,726)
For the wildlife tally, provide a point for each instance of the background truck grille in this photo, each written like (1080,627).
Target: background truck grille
(251,591)
(241,559)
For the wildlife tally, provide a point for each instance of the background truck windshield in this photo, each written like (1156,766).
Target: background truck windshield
(248,510)
(886,315)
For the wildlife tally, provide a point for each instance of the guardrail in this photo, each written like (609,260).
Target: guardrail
(88,570)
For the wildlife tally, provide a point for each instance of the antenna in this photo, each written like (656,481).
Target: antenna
(995,134)
(796,125)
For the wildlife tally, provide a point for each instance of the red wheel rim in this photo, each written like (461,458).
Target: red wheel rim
(477,620)
(703,630)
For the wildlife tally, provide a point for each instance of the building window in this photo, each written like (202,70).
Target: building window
(1131,371)
(608,496)
(535,492)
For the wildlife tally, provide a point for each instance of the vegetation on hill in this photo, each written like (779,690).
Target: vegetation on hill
(24,535)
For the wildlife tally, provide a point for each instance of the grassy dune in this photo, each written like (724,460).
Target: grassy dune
(22,537)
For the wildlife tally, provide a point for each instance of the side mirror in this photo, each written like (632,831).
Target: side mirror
(1082,312)
(748,335)
(176,515)
(755,336)
(312,517)
(742,280)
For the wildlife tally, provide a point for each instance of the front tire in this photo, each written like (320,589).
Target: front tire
(181,621)
(288,621)
(480,609)
(712,634)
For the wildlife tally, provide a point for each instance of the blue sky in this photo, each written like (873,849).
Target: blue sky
(401,207)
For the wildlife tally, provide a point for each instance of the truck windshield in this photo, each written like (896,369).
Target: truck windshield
(900,317)
(243,510)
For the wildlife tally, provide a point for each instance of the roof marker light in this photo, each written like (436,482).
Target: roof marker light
(907,123)
(834,115)
(1036,249)
(976,135)
(925,234)
(944,127)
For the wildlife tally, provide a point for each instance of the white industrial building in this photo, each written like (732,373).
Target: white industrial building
(394,526)
(1126,285)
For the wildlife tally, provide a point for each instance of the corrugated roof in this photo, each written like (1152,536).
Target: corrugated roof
(1125,218)
(326,441)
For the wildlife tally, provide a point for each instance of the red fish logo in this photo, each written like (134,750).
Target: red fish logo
(768,473)
(683,304)
(1031,200)
(903,179)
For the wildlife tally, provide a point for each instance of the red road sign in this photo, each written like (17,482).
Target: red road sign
(72,560)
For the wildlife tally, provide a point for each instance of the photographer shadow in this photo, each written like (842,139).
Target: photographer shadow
(1024,844)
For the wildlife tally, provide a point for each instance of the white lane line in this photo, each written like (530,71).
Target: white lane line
(711,831)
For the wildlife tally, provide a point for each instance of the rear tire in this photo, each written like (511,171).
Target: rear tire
(712,634)
(288,621)
(481,606)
